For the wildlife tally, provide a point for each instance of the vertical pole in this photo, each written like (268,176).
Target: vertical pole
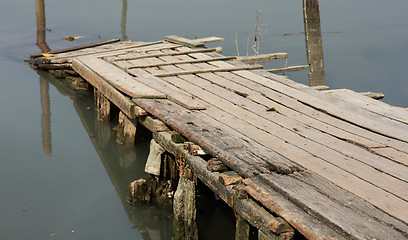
(184,208)
(241,229)
(313,38)
(126,130)
(102,106)
(40,16)
(123,22)
(45,117)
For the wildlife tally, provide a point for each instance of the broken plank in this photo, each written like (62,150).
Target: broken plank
(77,48)
(172,93)
(119,79)
(209,70)
(262,58)
(218,49)
(180,62)
(192,43)
(121,101)
(288,69)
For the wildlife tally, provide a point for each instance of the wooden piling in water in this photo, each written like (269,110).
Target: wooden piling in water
(184,207)
(314,47)
(102,106)
(126,129)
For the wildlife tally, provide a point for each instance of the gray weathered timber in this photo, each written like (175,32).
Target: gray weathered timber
(243,206)
(341,216)
(126,130)
(288,69)
(218,49)
(314,46)
(192,43)
(262,58)
(184,208)
(92,45)
(172,93)
(119,79)
(241,229)
(121,101)
(332,164)
(102,106)
(371,105)
(215,138)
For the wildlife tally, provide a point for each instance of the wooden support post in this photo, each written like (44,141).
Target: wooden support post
(184,207)
(241,229)
(102,106)
(40,16)
(313,37)
(126,130)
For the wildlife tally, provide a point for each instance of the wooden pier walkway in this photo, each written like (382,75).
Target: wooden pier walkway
(327,165)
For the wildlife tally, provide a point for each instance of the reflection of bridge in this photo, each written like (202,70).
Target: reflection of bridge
(331,165)
(123,163)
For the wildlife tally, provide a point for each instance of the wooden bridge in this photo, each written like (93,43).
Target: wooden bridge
(323,164)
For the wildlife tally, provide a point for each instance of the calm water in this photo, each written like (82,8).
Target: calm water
(78,191)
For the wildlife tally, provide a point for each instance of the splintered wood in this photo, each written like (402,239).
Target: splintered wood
(332,164)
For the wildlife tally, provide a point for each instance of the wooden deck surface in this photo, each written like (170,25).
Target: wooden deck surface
(333,165)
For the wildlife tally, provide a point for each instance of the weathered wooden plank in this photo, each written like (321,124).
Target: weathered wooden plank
(336,107)
(121,101)
(172,93)
(192,43)
(371,105)
(308,225)
(179,62)
(218,49)
(293,103)
(356,224)
(208,70)
(236,150)
(262,58)
(154,125)
(78,48)
(392,154)
(301,141)
(119,79)
(345,198)
(114,48)
(288,69)
(244,207)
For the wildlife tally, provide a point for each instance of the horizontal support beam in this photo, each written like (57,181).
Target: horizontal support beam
(182,62)
(217,49)
(209,70)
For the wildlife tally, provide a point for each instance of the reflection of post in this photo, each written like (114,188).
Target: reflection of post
(45,117)
(123,22)
(40,14)
(313,37)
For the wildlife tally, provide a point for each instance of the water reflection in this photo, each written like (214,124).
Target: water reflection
(45,116)
(123,164)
